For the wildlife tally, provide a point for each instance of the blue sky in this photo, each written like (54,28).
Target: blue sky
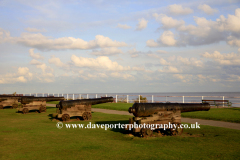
(100,46)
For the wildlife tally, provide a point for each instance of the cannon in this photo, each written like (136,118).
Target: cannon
(36,103)
(80,108)
(10,100)
(158,114)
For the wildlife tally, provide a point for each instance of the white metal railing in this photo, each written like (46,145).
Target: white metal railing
(149,98)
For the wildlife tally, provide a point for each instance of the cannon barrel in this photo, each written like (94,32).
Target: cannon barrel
(71,103)
(147,109)
(25,100)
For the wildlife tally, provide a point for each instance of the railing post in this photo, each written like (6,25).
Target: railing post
(43,94)
(36,94)
(106,95)
(183,99)
(30,94)
(53,94)
(58,94)
(127,98)
(116,98)
(96,95)
(67,96)
(87,96)
(73,96)
(80,96)
(223,101)
(152,98)
(166,98)
(48,94)
(139,98)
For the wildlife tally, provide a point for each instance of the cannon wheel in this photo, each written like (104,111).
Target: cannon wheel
(89,115)
(42,109)
(177,131)
(86,116)
(146,132)
(65,117)
(1,106)
(25,110)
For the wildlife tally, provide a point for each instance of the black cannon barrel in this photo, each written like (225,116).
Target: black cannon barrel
(147,109)
(25,100)
(71,103)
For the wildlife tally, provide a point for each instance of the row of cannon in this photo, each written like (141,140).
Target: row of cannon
(144,113)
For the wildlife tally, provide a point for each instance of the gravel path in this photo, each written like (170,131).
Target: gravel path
(186,120)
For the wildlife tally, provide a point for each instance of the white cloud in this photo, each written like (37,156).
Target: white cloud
(101,62)
(190,61)
(56,61)
(35,30)
(123,76)
(35,62)
(21,79)
(223,59)
(152,43)
(164,62)
(107,51)
(23,75)
(167,38)
(23,70)
(207,9)
(142,23)
(161,51)
(204,32)
(35,55)
(233,41)
(169,69)
(39,41)
(168,22)
(179,10)
(123,26)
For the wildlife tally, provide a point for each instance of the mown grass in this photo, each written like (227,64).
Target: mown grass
(53,102)
(114,106)
(35,136)
(220,114)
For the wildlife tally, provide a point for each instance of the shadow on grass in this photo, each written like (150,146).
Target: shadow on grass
(8,107)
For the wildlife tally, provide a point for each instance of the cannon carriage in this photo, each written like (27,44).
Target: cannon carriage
(158,114)
(36,103)
(80,108)
(10,101)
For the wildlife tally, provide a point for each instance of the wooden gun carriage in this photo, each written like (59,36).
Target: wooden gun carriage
(158,114)
(78,108)
(36,103)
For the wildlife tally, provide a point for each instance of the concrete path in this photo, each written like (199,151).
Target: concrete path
(186,120)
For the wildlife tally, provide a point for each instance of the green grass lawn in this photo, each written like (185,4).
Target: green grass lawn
(114,106)
(220,114)
(35,136)
(53,102)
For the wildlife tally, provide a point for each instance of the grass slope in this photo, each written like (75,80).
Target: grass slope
(35,136)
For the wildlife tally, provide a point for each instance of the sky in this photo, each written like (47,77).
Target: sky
(100,46)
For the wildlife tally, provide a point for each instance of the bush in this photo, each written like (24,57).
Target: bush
(142,100)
